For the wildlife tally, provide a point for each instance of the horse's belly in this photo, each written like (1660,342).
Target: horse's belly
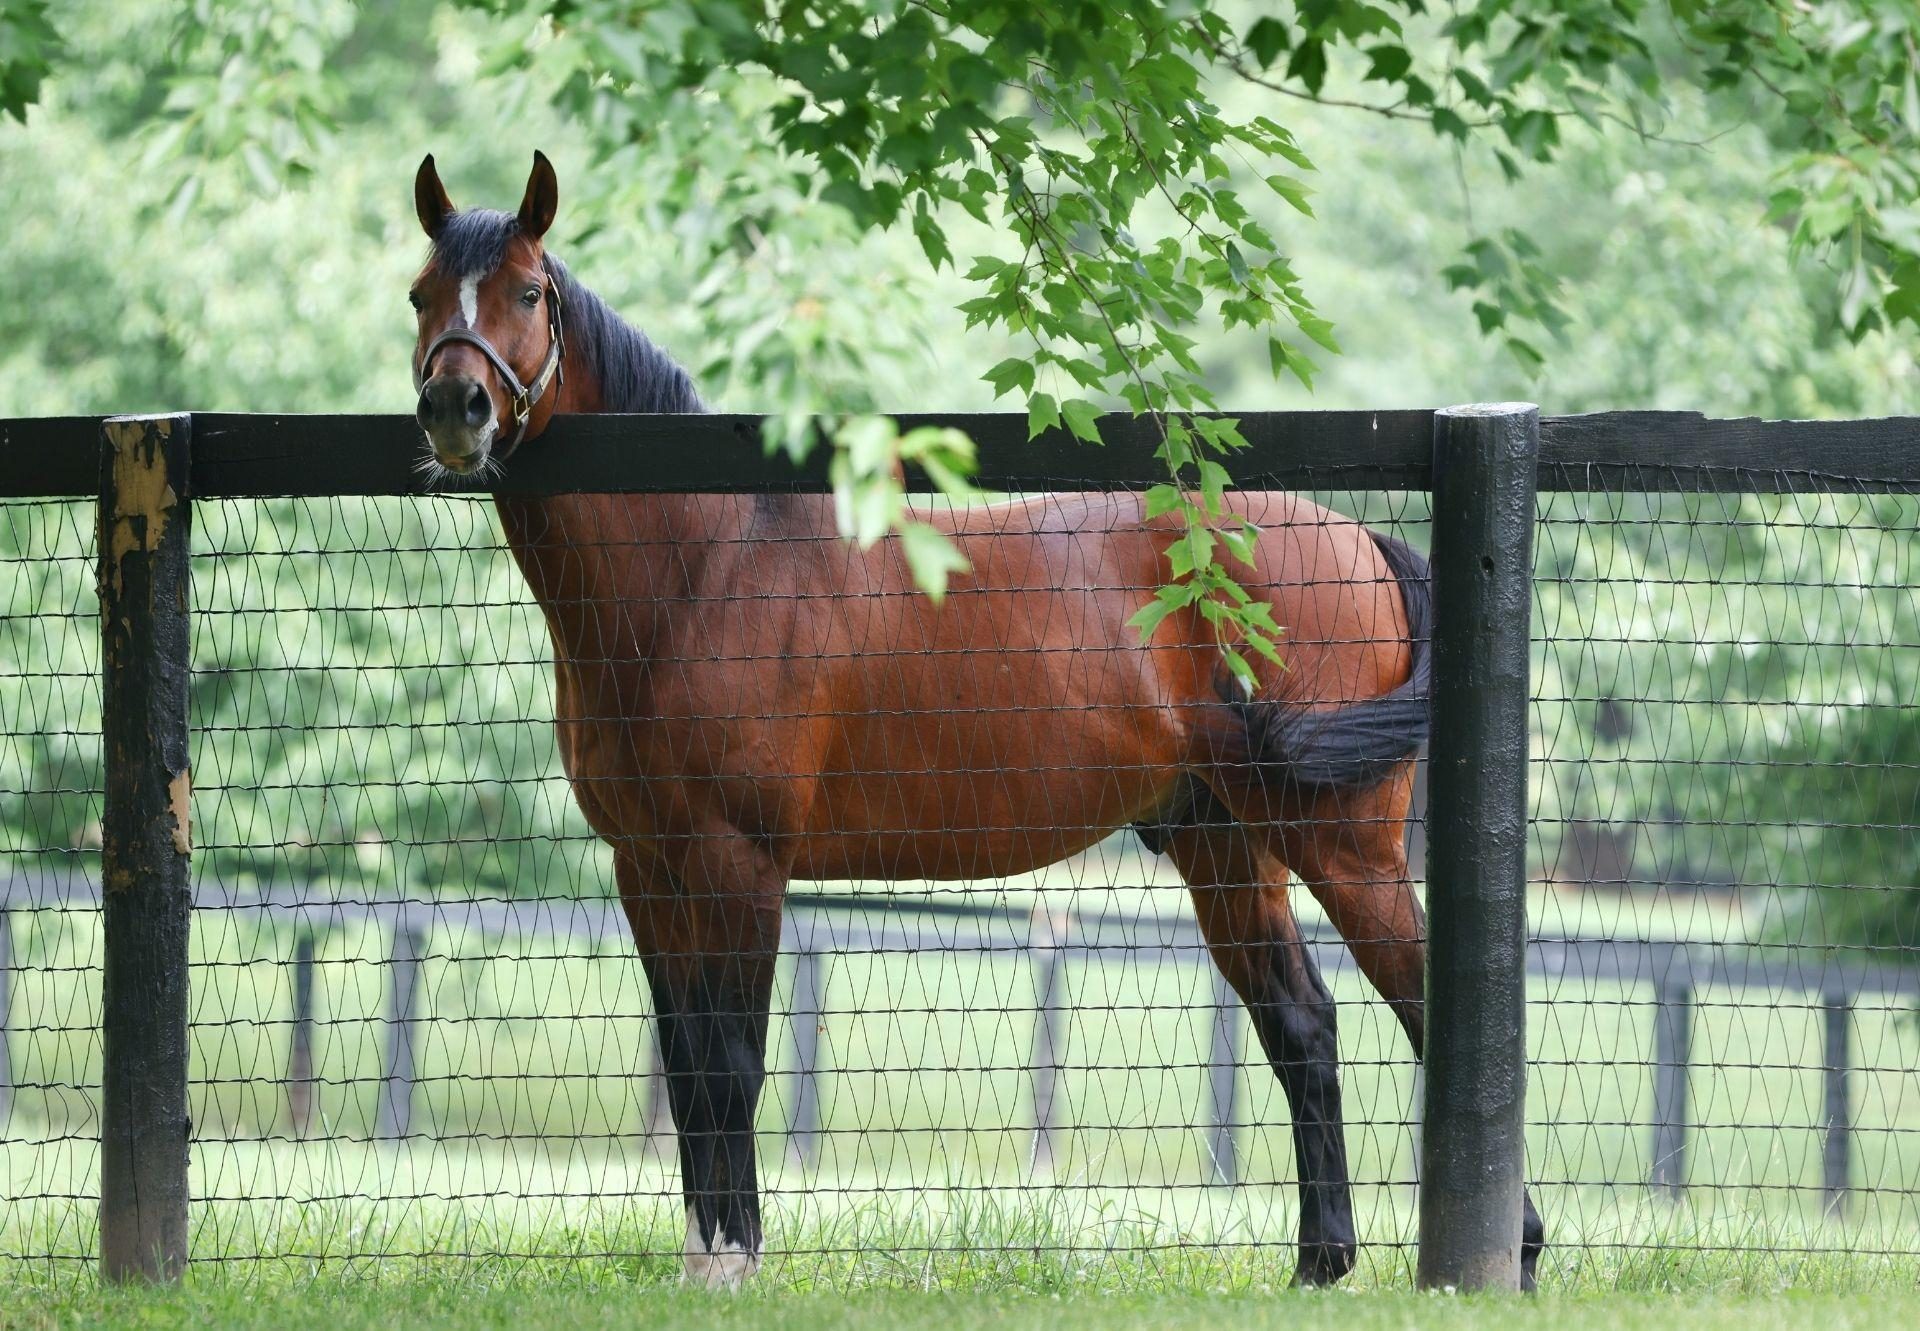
(986,795)
(898,857)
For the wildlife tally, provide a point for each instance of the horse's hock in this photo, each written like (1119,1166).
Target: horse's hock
(873,934)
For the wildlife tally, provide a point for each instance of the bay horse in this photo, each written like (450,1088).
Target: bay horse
(742,699)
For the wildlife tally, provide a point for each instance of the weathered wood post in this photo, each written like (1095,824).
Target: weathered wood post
(803,1129)
(1047,942)
(300,1050)
(1672,1059)
(1474,1150)
(1223,1081)
(145,526)
(393,1120)
(1836,1159)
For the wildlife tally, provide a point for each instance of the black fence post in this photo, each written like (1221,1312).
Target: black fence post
(1416,1114)
(1473,1154)
(144,538)
(1836,1160)
(1672,1061)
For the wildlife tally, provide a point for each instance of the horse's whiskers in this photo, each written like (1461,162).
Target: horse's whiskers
(428,467)
(437,474)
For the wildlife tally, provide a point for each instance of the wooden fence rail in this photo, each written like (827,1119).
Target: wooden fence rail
(238,456)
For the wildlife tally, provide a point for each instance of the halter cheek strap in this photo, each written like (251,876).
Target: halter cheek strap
(520,397)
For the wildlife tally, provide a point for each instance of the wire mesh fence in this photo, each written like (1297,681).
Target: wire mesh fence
(420,1027)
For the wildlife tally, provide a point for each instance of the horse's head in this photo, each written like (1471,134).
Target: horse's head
(490,341)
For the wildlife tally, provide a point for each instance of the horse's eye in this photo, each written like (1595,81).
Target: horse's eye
(413,299)
(531,297)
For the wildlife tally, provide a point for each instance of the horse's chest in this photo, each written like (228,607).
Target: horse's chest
(646,755)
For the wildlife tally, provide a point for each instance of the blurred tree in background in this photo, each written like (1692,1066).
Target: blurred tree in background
(838,207)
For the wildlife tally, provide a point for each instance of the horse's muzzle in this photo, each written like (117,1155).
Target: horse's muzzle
(457,414)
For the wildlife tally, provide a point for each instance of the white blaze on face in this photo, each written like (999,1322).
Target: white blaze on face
(470,299)
(725,1266)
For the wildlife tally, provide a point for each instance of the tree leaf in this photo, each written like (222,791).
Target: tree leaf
(1043,414)
(1267,38)
(1011,373)
(932,558)
(1082,419)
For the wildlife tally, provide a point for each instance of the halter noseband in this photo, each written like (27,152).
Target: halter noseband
(521,397)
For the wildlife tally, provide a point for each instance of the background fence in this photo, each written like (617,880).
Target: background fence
(417,1027)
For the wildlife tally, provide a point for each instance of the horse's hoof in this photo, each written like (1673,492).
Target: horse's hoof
(726,1270)
(1323,1264)
(1533,1242)
(724,1265)
(1529,1260)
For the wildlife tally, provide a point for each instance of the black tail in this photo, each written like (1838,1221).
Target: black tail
(1357,745)
(1276,746)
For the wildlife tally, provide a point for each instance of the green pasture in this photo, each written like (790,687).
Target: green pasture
(611,1301)
(531,1150)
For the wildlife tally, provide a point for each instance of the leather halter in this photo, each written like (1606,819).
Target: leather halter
(520,397)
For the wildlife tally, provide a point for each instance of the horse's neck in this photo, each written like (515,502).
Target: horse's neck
(610,571)
(615,564)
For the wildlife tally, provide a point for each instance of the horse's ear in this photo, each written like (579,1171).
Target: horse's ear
(430,199)
(542,198)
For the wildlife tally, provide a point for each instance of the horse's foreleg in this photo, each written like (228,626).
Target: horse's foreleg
(1352,853)
(1241,900)
(709,952)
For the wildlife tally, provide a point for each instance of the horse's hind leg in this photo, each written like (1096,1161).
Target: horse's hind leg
(1351,850)
(709,937)
(1240,896)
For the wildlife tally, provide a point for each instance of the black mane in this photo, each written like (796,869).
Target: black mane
(634,374)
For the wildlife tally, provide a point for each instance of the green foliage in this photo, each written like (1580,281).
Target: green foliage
(29,46)
(1835,87)
(249,86)
(1092,136)
(1753,650)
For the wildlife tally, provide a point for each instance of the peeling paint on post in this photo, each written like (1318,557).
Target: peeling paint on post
(1472,1155)
(143,542)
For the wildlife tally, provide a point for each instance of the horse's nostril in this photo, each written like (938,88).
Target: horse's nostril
(423,409)
(479,407)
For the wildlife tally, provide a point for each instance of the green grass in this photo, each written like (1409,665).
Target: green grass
(613,1299)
